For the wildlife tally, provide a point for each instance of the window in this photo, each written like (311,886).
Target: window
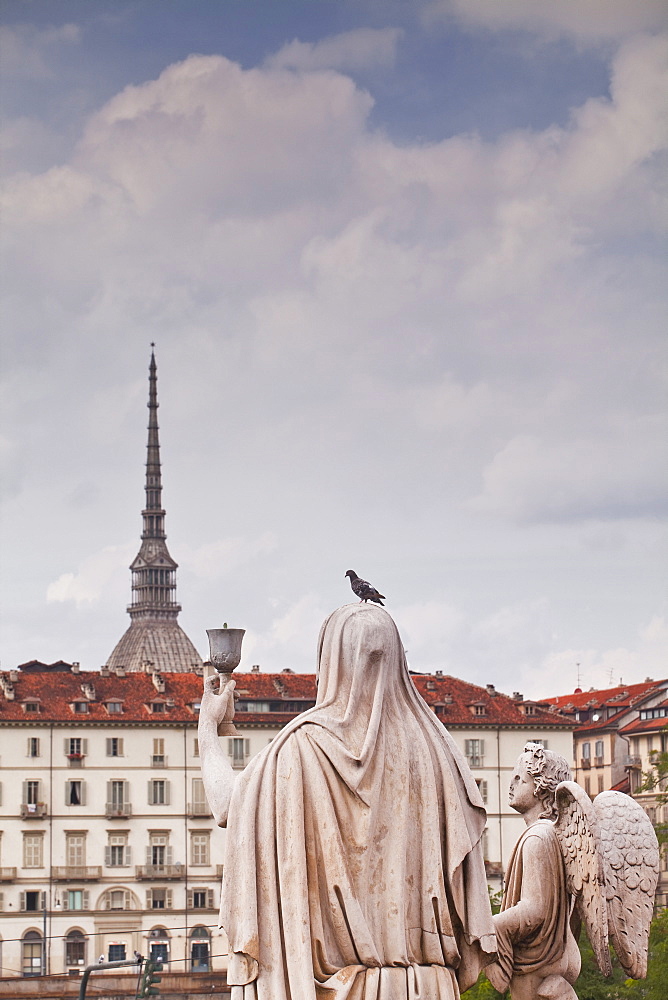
(195,747)
(529,709)
(117,851)
(75,748)
(586,751)
(159,899)
(159,951)
(80,707)
(75,949)
(75,793)
(116,952)
(588,786)
(33,850)
(239,750)
(32,900)
(158,706)
(75,849)
(199,848)
(31,954)
(76,899)
(31,706)
(158,792)
(598,749)
(199,950)
(114,746)
(31,793)
(474,751)
(158,852)
(118,899)
(600,783)
(158,758)
(33,746)
(482,787)
(199,805)
(114,707)
(202,899)
(479,710)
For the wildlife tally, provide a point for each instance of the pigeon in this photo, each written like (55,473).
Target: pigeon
(364,590)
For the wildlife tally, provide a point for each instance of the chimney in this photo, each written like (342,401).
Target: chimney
(439,673)
(491,690)
(76,667)
(255,669)
(518,696)
(158,682)
(13,676)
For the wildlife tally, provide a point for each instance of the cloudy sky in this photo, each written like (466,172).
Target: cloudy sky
(404,265)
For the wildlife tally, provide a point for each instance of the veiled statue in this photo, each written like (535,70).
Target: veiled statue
(353,865)
(577,862)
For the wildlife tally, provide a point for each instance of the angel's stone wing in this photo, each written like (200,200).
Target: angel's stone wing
(577,830)
(631,853)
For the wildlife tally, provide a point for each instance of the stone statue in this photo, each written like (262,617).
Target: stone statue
(353,866)
(577,862)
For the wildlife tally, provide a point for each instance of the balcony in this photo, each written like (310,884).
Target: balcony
(76,873)
(118,810)
(598,761)
(33,810)
(585,763)
(7,874)
(632,761)
(196,809)
(158,760)
(159,871)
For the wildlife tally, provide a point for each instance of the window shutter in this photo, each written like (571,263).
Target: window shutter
(209,899)
(108,747)
(150,793)
(149,899)
(67,792)
(109,798)
(22,901)
(2,901)
(467,748)
(168,899)
(167,784)
(482,748)
(42,900)
(83,793)
(66,745)
(120,747)
(25,792)
(169,855)
(126,899)
(107,855)
(149,856)
(28,748)
(84,747)
(246,748)
(86,897)
(230,748)
(127,856)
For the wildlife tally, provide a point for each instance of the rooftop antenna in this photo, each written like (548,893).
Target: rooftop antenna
(579,680)
(611,677)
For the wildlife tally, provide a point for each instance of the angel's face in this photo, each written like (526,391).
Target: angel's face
(521,794)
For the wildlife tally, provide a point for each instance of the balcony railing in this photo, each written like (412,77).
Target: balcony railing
(159,871)
(7,874)
(158,760)
(598,761)
(631,760)
(118,810)
(33,810)
(585,763)
(76,873)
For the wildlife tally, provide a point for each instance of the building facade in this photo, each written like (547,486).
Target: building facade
(108,845)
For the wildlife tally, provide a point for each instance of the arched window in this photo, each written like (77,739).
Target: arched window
(75,949)
(31,954)
(158,945)
(199,950)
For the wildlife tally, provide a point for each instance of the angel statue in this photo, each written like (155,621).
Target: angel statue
(577,862)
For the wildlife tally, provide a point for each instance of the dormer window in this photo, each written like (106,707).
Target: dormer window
(529,709)
(31,706)
(114,707)
(80,707)
(196,705)
(158,706)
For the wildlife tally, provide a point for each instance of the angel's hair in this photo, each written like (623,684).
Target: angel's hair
(547,769)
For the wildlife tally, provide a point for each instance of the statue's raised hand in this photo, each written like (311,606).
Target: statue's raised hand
(217,701)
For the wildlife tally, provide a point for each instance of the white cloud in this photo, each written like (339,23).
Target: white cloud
(586,20)
(26,51)
(89,583)
(216,560)
(362,48)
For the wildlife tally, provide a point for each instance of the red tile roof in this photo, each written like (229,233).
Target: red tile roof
(450,697)
(622,696)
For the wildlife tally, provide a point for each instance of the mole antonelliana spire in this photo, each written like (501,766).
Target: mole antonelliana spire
(154,639)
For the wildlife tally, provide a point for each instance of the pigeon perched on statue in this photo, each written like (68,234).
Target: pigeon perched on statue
(364,590)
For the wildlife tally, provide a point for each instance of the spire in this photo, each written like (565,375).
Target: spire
(153,569)
(154,639)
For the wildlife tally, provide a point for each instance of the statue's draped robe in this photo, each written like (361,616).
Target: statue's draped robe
(533,946)
(354,868)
